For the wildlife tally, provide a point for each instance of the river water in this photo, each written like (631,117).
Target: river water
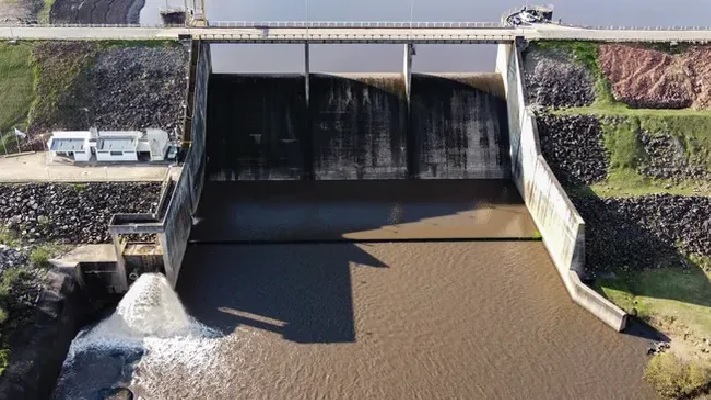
(399,321)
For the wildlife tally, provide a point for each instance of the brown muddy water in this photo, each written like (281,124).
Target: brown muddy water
(398,321)
(484,319)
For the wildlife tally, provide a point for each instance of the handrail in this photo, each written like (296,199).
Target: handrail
(359,25)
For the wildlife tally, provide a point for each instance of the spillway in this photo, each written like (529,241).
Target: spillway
(396,234)
(356,127)
(353,242)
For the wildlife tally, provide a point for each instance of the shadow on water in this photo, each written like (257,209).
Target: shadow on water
(289,290)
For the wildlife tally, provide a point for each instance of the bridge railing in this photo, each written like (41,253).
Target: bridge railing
(357,38)
(351,25)
(155,26)
(362,25)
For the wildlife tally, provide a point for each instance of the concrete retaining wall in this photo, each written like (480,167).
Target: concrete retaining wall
(177,221)
(562,228)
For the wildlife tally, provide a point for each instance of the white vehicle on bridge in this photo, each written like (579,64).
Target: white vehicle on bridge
(530,15)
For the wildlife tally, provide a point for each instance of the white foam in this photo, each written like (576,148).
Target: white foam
(151,318)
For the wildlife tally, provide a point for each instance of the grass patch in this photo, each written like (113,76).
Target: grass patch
(40,256)
(8,238)
(676,301)
(16,86)
(626,182)
(681,296)
(620,126)
(10,277)
(43,16)
(79,187)
(58,67)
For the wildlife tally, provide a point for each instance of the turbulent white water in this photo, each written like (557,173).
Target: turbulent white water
(149,326)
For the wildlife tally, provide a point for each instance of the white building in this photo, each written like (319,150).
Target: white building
(117,146)
(110,145)
(74,145)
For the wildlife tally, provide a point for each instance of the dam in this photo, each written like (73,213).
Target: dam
(381,235)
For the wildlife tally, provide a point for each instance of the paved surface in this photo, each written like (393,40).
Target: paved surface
(352,35)
(34,168)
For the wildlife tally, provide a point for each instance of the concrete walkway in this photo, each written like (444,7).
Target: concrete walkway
(33,167)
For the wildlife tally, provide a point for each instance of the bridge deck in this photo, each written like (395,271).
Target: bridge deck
(355,34)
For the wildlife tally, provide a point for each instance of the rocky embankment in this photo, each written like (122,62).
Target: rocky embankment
(43,308)
(96,11)
(71,213)
(123,86)
(640,232)
(553,79)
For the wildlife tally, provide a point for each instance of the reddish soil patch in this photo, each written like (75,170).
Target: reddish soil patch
(647,78)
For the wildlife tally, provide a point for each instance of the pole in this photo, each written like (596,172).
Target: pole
(412,14)
(17,141)
(306,10)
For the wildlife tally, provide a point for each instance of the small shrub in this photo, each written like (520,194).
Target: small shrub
(674,378)
(40,257)
(4,359)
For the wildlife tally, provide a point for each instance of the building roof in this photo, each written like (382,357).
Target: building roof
(67,143)
(117,142)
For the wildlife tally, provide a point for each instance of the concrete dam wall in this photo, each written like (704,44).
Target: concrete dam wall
(356,127)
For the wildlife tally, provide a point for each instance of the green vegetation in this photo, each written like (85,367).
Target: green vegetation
(43,16)
(674,378)
(79,187)
(620,127)
(40,256)
(16,86)
(678,302)
(10,278)
(57,68)
(587,55)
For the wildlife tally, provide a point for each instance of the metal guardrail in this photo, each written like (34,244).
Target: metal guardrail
(356,38)
(641,28)
(361,25)
(352,25)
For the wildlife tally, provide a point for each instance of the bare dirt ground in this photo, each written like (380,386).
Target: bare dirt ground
(648,78)
(19,11)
